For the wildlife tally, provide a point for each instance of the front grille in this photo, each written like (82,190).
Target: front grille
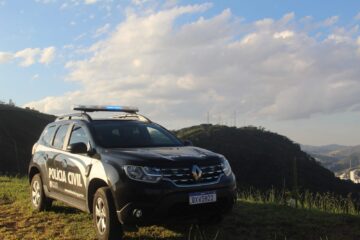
(184,177)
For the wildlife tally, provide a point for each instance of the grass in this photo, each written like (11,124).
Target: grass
(255,216)
(327,202)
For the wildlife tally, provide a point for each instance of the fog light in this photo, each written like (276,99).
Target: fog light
(137,213)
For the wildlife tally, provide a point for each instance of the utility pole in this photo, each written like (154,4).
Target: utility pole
(350,163)
(208,117)
(235,118)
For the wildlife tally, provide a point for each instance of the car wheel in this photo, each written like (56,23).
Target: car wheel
(106,223)
(39,201)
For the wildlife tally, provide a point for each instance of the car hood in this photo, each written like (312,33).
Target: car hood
(161,155)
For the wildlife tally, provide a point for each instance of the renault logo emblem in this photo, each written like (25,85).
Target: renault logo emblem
(196,172)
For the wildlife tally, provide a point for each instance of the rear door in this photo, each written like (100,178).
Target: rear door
(58,163)
(44,154)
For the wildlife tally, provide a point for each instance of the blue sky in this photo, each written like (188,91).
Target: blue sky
(290,66)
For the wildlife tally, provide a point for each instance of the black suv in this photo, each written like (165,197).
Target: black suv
(127,170)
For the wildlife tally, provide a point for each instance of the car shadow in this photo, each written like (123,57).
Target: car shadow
(63,209)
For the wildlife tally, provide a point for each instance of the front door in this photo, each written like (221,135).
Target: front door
(77,165)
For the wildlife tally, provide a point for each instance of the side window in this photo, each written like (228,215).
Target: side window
(48,135)
(78,135)
(60,136)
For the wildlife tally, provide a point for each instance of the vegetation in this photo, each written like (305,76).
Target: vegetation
(19,130)
(255,216)
(326,202)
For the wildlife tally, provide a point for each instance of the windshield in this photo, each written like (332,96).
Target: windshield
(132,134)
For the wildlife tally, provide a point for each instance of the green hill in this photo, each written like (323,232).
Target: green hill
(19,130)
(263,159)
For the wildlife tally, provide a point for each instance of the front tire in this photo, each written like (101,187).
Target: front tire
(104,215)
(39,201)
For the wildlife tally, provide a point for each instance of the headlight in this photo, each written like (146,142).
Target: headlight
(226,166)
(143,174)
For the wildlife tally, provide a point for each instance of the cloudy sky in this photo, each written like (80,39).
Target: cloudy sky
(292,66)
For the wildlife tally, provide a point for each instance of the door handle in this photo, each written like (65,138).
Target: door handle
(46,157)
(64,163)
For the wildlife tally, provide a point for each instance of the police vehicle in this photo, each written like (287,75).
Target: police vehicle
(127,170)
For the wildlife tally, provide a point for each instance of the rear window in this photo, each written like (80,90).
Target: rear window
(48,135)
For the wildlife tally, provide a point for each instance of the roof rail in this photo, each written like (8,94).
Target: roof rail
(72,115)
(133,115)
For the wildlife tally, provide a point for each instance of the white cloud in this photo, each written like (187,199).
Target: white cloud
(28,56)
(45,1)
(338,38)
(63,6)
(177,72)
(47,55)
(102,30)
(331,20)
(139,2)
(90,1)
(283,34)
(5,57)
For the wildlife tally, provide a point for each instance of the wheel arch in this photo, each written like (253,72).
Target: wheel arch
(93,186)
(32,172)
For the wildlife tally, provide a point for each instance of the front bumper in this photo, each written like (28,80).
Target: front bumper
(167,203)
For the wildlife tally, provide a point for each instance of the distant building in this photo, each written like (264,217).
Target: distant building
(344,176)
(355,175)
(350,174)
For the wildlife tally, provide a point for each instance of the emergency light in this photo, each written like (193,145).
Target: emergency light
(105,108)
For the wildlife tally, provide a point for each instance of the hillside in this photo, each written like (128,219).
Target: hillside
(249,220)
(337,158)
(19,130)
(264,159)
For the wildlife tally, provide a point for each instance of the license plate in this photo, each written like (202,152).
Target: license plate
(202,197)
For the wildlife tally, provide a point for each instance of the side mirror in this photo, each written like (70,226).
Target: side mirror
(78,147)
(187,143)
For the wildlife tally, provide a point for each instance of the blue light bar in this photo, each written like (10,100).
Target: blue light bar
(112,108)
(105,108)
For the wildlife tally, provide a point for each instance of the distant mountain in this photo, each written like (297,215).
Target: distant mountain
(337,158)
(19,130)
(322,150)
(264,159)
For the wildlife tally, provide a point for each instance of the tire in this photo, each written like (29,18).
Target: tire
(39,201)
(106,223)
